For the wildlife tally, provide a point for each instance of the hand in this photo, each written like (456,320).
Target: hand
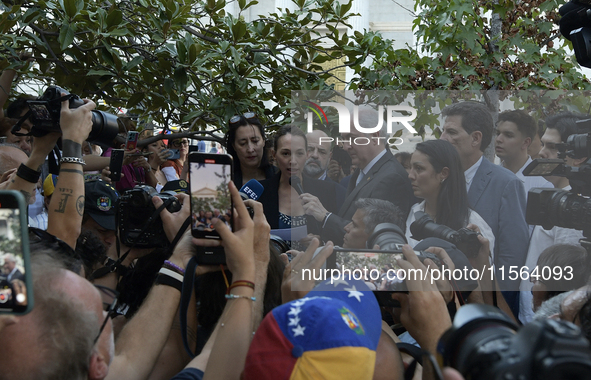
(6,177)
(105,175)
(335,172)
(76,123)
(238,245)
(443,284)
(172,222)
(313,206)
(160,158)
(128,158)
(423,310)
(294,286)
(262,234)
(44,145)
(483,259)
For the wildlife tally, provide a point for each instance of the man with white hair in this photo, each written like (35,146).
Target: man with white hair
(379,175)
(10,269)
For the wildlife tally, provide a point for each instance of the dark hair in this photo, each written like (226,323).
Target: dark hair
(565,123)
(452,200)
(541,128)
(16,108)
(526,124)
(475,117)
(230,139)
(403,158)
(563,255)
(289,129)
(380,211)
(91,250)
(6,124)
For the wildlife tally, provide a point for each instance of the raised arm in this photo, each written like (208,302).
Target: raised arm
(67,202)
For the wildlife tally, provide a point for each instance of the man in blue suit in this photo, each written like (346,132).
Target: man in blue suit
(493,191)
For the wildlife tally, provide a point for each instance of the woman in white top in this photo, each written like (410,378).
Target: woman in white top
(437,177)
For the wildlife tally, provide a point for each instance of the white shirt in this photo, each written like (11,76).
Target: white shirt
(470,173)
(540,240)
(368,167)
(531,181)
(322,177)
(473,218)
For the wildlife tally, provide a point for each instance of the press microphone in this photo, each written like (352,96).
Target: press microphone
(251,190)
(295,182)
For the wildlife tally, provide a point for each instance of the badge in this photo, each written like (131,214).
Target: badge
(104,203)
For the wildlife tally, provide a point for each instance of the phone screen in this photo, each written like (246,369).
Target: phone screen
(209,176)
(131,141)
(377,267)
(15,284)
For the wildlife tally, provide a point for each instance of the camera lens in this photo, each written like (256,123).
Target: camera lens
(424,227)
(104,128)
(387,236)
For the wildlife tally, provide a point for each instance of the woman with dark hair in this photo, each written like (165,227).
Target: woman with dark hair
(281,202)
(437,177)
(245,141)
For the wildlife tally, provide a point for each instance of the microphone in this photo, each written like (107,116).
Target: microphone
(295,182)
(251,190)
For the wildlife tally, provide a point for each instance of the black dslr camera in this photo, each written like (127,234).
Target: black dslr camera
(575,26)
(465,239)
(139,225)
(557,207)
(483,343)
(44,113)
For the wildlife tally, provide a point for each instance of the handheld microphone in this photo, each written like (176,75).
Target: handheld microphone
(251,190)
(295,182)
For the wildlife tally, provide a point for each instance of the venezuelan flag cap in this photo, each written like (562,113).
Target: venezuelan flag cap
(333,333)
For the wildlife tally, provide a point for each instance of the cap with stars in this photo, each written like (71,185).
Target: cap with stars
(333,333)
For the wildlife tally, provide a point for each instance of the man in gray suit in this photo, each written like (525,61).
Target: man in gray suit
(379,176)
(493,191)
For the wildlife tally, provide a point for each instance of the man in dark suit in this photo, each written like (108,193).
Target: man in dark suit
(319,156)
(10,269)
(379,175)
(494,192)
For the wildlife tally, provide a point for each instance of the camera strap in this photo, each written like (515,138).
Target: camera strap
(188,285)
(418,354)
(114,265)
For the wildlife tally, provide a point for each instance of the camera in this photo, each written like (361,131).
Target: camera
(44,113)
(484,343)
(557,207)
(138,226)
(575,26)
(464,239)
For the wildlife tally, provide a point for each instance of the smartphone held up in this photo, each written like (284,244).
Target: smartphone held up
(209,176)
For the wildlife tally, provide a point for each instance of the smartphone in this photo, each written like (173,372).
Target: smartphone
(116,164)
(175,154)
(131,141)
(16,285)
(379,268)
(209,176)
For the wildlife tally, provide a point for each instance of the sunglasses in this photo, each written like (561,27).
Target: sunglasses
(248,116)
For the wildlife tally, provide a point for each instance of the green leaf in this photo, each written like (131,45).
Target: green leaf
(168,85)
(135,99)
(241,4)
(134,62)
(238,30)
(180,78)
(66,36)
(99,73)
(114,18)
(181,50)
(69,7)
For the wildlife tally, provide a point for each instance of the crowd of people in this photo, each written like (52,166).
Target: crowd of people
(105,308)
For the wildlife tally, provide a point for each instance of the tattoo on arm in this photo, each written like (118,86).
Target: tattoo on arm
(80,205)
(64,190)
(61,208)
(62,170)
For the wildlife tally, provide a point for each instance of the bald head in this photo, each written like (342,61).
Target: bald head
(11,157)
(318,153)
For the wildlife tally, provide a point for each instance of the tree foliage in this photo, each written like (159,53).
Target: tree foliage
(180,62)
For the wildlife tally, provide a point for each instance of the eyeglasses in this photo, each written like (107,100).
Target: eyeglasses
(177,143)
(110,313)
(248,116)
(111,295)
(45,237)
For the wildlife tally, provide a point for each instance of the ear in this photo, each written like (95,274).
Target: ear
(444,173)
(476,138)
(579,161)
(98,368)
(526,143)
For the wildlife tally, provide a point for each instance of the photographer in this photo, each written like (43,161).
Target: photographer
(558,129)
